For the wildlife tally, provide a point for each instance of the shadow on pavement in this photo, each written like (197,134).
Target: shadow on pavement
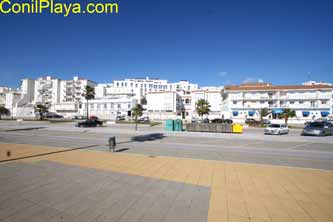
(148,137)
(121,150)
(44,154)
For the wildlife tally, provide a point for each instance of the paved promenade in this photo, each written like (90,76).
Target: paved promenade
(235,192)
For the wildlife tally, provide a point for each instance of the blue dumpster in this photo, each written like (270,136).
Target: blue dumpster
(178,125)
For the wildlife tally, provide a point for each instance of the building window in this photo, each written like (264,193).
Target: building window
(234,102)
(292,102)
(112,106)
(80,106)
(136,85)
(91,106)
(131,84)
(300,102)
(129,106)
(98,106)
(323,102)
(125,84)
(119,106)
(105,106)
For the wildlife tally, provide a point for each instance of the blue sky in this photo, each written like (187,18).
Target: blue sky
(207,42)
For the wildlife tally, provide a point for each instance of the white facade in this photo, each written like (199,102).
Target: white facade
(213,96)
(245,101)
(3,91)
(109,107)
(71,98)
(142,86)
(164,105)
(47,91)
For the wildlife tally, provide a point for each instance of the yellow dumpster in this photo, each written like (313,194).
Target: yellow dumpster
(237,128)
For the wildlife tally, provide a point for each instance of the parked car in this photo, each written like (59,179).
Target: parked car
(276,129)
(265,122)
(229,121)
(217,120)
(250,121)
(318,128)
(54,116)
(120,118)
(206,120)
(79,117)
(90,123)
(144,119)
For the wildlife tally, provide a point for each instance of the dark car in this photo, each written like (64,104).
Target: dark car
(321,128)
(206,120)
(144,119)
(54,116)
(250,120)
(229,121)
(90,123)
(217,120)
(265,122)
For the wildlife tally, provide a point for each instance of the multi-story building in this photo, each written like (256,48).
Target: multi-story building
(71,95)
(47,91)
(164,105)
(109,107)
(213,96)
(3,91)
(246,100)
(19,101)
(141,86)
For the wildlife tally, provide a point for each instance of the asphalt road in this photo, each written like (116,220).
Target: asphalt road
(250,147)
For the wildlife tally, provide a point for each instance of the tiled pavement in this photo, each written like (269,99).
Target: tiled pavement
(238,192)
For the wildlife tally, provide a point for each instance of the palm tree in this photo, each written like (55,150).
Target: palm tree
(288,113)
(41,109)
(4,111)
(89,93)
(202,107)
(263,113)
(137,112)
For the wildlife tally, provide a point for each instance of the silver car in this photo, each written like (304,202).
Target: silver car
(322,128)
(276,129)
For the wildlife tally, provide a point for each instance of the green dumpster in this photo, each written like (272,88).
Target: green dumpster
(170,125)
(178,125)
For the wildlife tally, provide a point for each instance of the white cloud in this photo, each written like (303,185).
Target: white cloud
(252,80)
(222,74)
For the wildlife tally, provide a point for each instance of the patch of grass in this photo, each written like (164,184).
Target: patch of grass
(155,123)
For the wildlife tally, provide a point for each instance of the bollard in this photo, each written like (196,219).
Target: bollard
(112,143)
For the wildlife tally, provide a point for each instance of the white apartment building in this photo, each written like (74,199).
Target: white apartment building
(3,91)
(109,107)
(245,101)
(141,86)
(164,105)
(47,91)
(19,102)
(214,97)
(71,99)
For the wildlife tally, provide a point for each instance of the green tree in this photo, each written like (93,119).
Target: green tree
(41,109)
(202,107)
(288,113)
(263,113)
(137,112)
(4,111)
(88,94)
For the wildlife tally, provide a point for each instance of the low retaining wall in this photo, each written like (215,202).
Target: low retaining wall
(209,127)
